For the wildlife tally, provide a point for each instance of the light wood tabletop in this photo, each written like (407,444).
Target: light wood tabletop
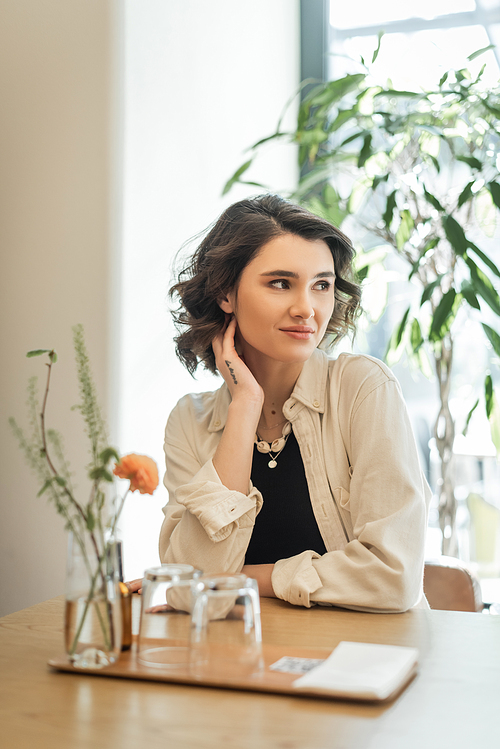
(452,703)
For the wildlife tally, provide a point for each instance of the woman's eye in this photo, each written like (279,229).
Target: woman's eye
(279,283)
(324,285)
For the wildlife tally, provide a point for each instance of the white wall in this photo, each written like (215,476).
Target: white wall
(54,242)
(203,79)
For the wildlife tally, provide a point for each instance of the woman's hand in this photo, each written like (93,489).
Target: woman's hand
(239,379)
(233,457)
(135,586)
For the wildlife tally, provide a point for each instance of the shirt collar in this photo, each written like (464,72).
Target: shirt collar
(311,385)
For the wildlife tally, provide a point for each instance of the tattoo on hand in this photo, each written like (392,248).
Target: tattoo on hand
(231,371)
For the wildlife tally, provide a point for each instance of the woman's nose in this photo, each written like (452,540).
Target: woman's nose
(302,307)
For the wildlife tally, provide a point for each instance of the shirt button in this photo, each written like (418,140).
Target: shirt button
(316,404)
(217,424)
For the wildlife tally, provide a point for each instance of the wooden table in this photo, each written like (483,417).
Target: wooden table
(454,702)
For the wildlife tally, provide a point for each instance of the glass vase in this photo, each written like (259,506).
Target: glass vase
(92,618)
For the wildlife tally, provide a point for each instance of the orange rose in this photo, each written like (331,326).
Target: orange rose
(140,470)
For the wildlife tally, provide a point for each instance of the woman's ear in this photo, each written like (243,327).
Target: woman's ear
(225,305)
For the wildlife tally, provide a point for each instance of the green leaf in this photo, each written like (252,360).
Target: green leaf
(100,473)
(493,110)
(375,54)
(486,260)
(401,329)
(455,235)
(485,212)
(107,454)
(480,52)
(483,286)
(395,340)
(428,246)
(366,150)
(90,519)
(343,116)
(44,487)
(488,395)
(493,338)
(38,352)
(375,256)
(391,92)
(480,74)
(433,201)
(359,134)
(441,321)
(443,79)
(416,337)
(310,181)
(466,194)
(357,195)
(494,189)
(422,361)
(60,480)
(266,140)
(429,289)
(254,184)
(389,209)
(405,229)
(468,294)
(495,424)
(362,273)
(335,90)
(471,161)
(236,176)
(436,163)
(469,416)
(327,208)
(378,179)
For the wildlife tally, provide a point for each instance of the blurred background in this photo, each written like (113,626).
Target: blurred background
(120,122)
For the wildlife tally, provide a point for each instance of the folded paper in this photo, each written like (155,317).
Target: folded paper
(362,671)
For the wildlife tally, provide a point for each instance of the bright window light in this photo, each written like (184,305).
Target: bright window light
(417,60)
(346,16)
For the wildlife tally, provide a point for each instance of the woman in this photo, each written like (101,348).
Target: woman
(301,470)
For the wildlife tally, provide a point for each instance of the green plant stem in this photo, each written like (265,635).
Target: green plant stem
(107,639)
(117,514)
(54,469)
(81,512)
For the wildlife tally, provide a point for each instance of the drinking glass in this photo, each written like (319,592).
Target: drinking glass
(226,637)
(164,631)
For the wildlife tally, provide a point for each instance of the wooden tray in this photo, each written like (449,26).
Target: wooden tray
(266,680)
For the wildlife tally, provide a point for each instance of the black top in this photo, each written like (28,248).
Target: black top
(286,525)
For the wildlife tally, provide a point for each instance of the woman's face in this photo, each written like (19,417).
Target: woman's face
(284,299)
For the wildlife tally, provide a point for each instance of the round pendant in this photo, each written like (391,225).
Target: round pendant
(272,464)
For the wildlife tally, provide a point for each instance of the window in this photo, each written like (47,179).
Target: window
(423,46)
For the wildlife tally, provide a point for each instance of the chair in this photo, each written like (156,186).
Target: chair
(449,586)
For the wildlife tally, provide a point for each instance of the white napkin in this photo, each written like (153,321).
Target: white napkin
(362,671)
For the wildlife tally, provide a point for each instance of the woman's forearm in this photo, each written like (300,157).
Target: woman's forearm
(262,573)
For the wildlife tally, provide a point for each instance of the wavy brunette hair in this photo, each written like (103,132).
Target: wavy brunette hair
(233,241)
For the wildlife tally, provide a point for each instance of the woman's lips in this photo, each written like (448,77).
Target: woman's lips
(302,333)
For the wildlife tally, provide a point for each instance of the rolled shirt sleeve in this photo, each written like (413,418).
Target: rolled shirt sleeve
(206,524)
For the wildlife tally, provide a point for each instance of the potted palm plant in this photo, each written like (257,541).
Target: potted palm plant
(416,173)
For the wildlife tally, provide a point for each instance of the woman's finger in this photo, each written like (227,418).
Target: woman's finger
(134,585)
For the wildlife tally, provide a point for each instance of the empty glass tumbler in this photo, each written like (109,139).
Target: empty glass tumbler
(164,631)
(226,637)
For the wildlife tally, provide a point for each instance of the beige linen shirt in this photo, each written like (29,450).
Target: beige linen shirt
(367,490)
